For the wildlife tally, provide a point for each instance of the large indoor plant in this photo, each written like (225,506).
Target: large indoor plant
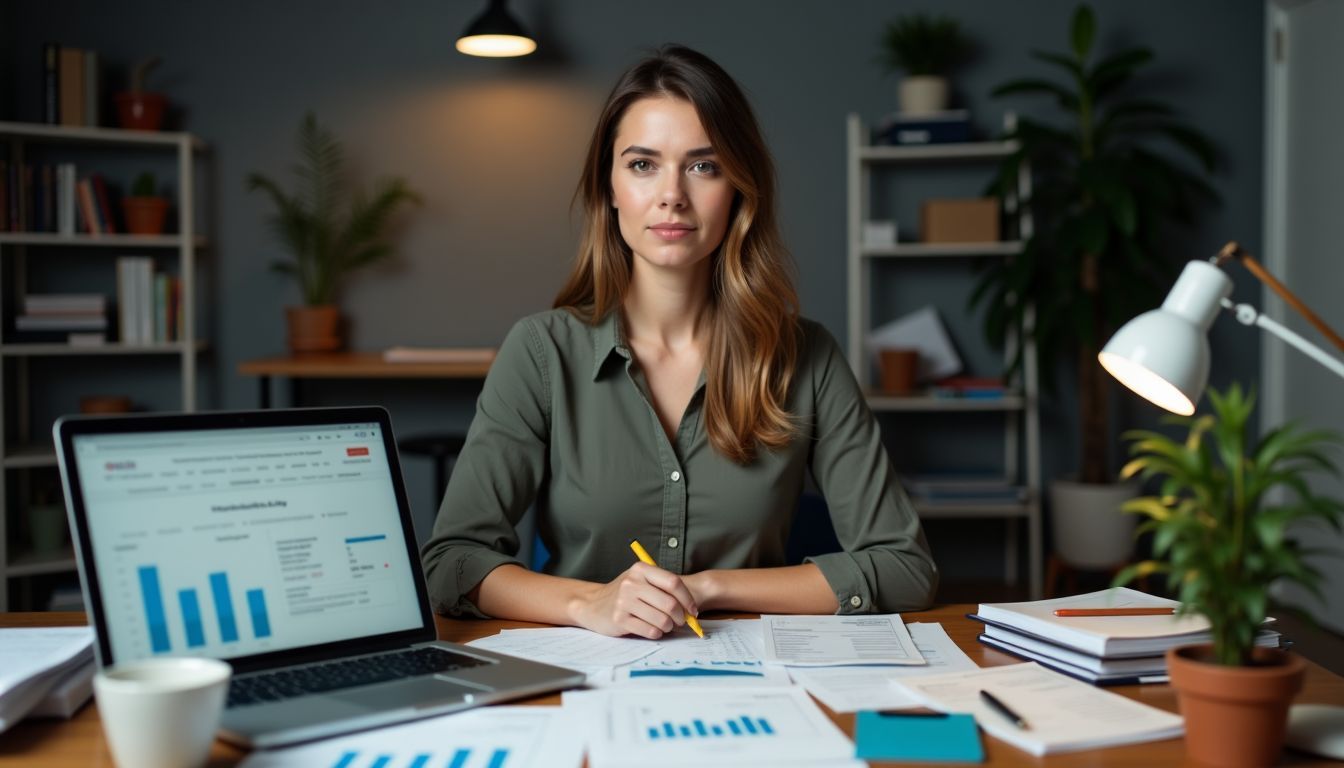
(1108,182)
(1220,524)
(926,48)
(329,230)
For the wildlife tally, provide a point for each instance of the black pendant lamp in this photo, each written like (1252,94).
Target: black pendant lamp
(496,33)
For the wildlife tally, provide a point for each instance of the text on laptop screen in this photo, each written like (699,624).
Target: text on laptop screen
(234,542)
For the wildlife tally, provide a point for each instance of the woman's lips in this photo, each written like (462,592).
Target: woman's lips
(672,231)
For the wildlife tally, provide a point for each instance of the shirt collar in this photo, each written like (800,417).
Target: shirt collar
(608,337)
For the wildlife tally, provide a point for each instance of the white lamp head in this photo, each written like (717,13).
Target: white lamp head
(1163,354)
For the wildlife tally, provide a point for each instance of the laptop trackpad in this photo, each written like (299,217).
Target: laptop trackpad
(420,692)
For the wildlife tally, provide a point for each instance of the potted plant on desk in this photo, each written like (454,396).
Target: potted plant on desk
(329,231)
(1222,542)
(927,49)
(1106,193)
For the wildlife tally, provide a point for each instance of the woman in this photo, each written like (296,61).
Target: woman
(673,397)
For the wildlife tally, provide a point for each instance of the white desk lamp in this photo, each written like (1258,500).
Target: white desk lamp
(1163,355)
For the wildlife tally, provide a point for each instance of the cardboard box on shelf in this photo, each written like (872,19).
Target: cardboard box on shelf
(965,220)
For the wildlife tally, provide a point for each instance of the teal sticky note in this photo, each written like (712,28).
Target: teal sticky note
(928,738)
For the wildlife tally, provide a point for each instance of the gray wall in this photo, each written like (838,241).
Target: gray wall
(495,146)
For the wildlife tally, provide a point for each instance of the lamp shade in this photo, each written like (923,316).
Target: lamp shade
(496,33)
(1163,354)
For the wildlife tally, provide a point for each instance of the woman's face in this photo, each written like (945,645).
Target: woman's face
(672,200)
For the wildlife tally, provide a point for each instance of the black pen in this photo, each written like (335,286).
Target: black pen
(1002,709)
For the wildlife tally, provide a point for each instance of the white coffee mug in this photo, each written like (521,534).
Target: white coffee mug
(162,713)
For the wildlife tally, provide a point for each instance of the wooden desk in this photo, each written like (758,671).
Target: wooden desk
(349,365)
(79,741)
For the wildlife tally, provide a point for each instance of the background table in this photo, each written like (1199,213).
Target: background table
(348,365)
(79,741)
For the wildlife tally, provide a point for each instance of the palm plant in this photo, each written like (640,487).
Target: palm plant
(1103,200)
(1216,535)
(328,230)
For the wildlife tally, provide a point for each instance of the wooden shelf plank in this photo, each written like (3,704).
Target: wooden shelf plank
(971,150)
(1012,401)
(937,250)
(43,132)
(30,456)
(106,241)
(37,565)
(110,348)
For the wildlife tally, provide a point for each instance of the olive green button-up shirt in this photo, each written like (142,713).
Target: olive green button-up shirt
(563,420)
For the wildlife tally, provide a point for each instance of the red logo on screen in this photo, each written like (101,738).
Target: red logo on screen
(356,451)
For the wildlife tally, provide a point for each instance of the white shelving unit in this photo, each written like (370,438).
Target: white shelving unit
(1021,424)
(24,445)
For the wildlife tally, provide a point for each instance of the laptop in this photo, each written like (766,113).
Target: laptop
(281,542)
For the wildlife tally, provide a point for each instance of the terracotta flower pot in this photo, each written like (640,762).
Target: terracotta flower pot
(145,215)
(1234,716)
(139,111)
(314,329)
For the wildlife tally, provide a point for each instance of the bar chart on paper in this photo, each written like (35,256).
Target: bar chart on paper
(761,725)
(225,625)
(492,737)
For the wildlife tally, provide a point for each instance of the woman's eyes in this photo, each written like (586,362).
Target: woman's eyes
(701,167)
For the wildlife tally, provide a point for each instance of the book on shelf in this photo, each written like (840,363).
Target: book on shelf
(982,387)
(64,303)
(1107,637)
(946,127)
(149,307)
(51,83)
(462,355)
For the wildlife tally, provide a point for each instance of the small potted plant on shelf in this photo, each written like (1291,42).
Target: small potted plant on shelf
(926,48)
(329,231)
(138,109)
(144,208)
(1109,185)
(1220,535)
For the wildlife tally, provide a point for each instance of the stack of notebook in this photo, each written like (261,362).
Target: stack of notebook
(1103,650)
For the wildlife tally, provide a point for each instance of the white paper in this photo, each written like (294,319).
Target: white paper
(729,655)
(920,330)
(508,737)
(1062,714)
(763,726)
(35,660)
(838,640)
(850,689)
(568,646)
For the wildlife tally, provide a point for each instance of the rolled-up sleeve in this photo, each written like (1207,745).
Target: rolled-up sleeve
(886,565)
(496,477)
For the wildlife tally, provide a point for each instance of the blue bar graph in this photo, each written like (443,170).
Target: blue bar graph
(228,625)
(420,761)
(497,759)
(459,758)
(191,617)
(157,620)
(346,760)
(358,539)
(256,603)
(699,729)
(381,762)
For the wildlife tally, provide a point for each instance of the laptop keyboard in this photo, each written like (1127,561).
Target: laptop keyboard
(319,678)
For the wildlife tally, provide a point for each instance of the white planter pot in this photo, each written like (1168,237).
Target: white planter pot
(1089,529)
(922,94)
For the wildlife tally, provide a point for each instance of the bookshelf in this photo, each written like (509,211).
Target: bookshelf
(1017,408)
(25,437)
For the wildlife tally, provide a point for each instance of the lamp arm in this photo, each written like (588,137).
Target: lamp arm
(1233,250)
(1248,315)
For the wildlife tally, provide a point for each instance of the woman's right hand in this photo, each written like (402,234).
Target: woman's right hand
(644,600)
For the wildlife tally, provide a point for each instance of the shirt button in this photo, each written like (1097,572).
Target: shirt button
(672,542)
(856,601)
(675,475)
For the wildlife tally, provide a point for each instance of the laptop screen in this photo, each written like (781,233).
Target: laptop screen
(233,542)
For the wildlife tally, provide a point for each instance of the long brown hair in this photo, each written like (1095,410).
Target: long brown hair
(754,333)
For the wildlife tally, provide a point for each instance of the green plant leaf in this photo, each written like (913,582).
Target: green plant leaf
(1065,98)
(1083,30)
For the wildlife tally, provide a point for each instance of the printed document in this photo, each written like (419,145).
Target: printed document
(513,737)
(729,655)
(1062,714)
(838,640)
(850,689)
(568,646)
(35,660)
(681,727)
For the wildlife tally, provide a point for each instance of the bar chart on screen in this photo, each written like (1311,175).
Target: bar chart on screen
(192,622)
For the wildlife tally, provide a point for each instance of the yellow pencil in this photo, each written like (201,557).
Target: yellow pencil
(644,558)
